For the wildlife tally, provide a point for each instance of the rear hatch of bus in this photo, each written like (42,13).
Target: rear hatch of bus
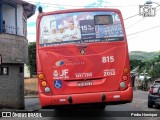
(84,69)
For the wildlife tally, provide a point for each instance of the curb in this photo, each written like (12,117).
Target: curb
(31,96)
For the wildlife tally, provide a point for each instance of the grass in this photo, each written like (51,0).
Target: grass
(30,86)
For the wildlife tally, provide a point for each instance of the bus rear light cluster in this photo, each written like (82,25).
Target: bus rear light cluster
(41,77)
(123,83)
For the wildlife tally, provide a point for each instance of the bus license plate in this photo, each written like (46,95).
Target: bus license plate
(85,83)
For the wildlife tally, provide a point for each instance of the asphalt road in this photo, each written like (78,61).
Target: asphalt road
(111,112)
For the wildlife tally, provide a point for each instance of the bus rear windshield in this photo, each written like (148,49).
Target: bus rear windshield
(77,27)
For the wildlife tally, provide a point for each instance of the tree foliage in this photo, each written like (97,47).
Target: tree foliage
(155,68)
(155,71)
(135,63)
(151,66)
(32,58)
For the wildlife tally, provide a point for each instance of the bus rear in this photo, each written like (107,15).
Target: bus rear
(82,58)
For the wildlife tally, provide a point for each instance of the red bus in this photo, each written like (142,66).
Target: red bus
(82,58)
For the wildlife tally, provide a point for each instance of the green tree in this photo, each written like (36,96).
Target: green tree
(134,63)
(32,59)
(155,71)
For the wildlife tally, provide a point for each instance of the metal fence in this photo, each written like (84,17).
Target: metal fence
(10,29)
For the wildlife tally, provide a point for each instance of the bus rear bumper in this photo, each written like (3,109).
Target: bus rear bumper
(116,97)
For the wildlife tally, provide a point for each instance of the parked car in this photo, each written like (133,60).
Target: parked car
(157,81)
(154,95)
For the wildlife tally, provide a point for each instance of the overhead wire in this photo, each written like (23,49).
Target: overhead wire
(134,23)
(144,30)
(49,4)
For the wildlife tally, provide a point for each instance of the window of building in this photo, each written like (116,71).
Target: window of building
(21,69)
(4,70)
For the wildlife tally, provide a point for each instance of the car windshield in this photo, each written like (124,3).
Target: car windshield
(156,85)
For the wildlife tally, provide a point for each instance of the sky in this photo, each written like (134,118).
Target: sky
(143,33)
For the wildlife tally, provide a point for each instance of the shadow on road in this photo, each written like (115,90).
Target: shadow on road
(76,114)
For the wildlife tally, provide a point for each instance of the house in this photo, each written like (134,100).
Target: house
(13,50)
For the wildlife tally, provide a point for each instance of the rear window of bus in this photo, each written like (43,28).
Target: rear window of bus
(77,27)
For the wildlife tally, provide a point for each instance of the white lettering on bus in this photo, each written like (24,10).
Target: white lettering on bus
(107,59)
(109,72)
(81,75)
(62,74)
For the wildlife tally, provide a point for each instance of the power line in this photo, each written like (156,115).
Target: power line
(144,30)
(134,23)
(131,16)
(133,37)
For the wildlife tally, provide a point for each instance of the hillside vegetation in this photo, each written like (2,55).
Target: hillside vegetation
(146,61)
(143,56)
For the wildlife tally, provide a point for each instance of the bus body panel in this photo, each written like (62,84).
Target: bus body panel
(85,71)
(97,69)
(116,97)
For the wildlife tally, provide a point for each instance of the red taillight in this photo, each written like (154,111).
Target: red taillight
(151,90)
(124,81)
(125,77)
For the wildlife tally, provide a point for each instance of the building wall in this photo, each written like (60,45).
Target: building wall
(14,49)
(14,52)
(12,87)
(20,20)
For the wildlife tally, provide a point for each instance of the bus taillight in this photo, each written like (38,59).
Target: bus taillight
(41,76)
(123,85)
(47,89)
(126,70)
(125,77)
(124,81)
(44,83)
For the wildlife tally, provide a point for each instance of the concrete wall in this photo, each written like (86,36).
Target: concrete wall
(20,20)
(14,49)
(12,87)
